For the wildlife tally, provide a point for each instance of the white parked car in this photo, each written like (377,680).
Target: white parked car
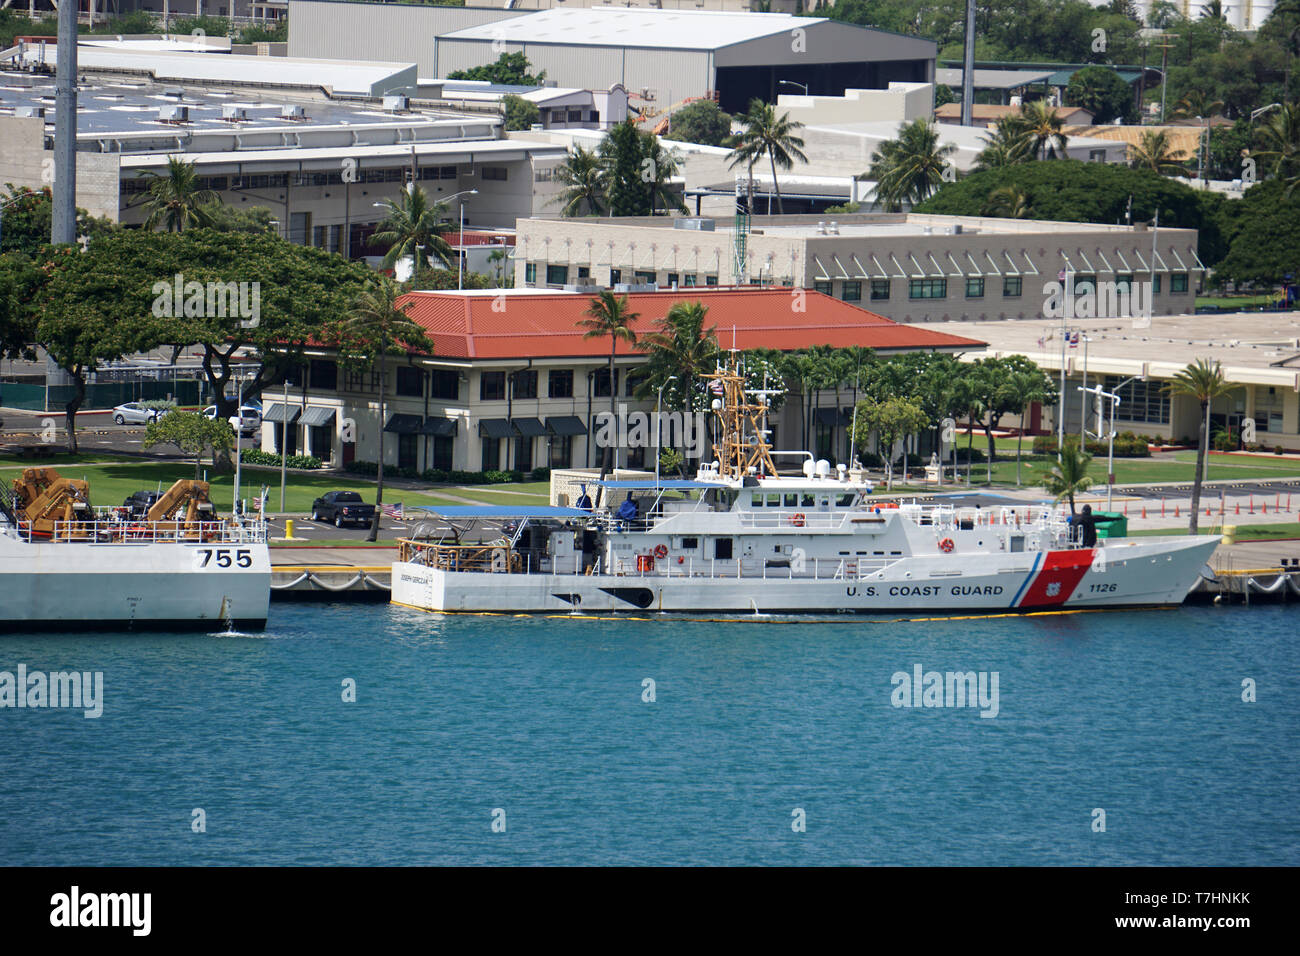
(133,413)
(247,422)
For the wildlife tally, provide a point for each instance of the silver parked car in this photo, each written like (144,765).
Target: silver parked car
(133,413)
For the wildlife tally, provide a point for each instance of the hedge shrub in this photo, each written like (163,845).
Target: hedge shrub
(255,456)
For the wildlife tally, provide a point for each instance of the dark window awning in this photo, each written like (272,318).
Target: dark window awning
(494,428)
(565,425)
(439,426)
(277,413)
(527,427)
(405,424)
(317,415)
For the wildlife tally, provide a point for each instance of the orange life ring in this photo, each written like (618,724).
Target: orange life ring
(661,551)
(798,519)
(946,545)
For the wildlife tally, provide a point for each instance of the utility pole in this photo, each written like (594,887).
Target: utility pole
(968,67)
(63,223)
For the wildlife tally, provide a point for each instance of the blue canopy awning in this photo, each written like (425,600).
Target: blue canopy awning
(502,511)
(674,484)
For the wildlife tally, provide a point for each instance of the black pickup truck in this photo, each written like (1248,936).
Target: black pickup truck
(342,507)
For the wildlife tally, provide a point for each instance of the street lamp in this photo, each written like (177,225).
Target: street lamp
(460,236)
(802,86)
(1114,399)
(659,424)
(1262,110)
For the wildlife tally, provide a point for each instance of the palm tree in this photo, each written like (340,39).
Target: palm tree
(374,326)
(683,347)
(1202,380)
(584,178)
(609,316)
(1279,137)
(1155,151)
(174,199)
(763,133)
(1007,202)
(1069,475)
(665,165)
(908,169)
(1196,104)
(1009,143)
(1044,128)
(413,228)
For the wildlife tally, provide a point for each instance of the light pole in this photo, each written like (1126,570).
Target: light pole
(802,86)
(460,238)
(659,424)
(1254,114)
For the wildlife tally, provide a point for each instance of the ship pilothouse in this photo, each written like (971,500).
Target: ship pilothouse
(740,536)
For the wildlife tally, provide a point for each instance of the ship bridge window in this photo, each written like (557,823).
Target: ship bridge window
(844,501)
(792,501)
(756,499)
(773,499)
(690,544)
(807,501)
(722,549)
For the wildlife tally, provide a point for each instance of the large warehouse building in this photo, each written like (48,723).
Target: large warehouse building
(672,55)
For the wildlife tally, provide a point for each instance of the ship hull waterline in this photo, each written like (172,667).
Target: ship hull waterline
(133,586)
(1147,572)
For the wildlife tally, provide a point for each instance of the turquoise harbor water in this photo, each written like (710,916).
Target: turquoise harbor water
(1136,713)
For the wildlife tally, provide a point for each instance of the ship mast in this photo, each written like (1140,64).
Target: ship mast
(742,436)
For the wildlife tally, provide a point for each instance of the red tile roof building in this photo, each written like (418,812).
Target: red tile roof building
(513,384)
(512,326)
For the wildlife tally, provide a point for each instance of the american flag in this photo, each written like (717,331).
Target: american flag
(717,387)
(1061,275)
(393,511)
(1074,340)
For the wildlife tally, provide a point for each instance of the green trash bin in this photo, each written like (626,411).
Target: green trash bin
(1112,529)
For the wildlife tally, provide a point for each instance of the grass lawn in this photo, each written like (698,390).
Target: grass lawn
(1245,532)
(1237,301)
(1175,467)
(112,482)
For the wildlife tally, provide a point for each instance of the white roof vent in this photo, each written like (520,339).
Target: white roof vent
(233,113)
(396,103)
(292,111)
(174,114)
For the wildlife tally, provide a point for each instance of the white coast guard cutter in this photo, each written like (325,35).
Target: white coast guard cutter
(741,538)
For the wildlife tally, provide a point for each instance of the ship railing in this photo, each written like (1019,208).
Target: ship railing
(810,569)
(791,519)
(248,531)
(493,558)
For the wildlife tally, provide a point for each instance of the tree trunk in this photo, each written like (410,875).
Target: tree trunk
(988,432)
(379,490)
(780,205)
(1020,437)
(70,409)
(1202,449)
(970,444)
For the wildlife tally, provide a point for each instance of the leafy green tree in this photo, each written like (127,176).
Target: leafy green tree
(907,170)
(1155,151)
(20,281)
(510,69)
(520,113)
(943,95)
(585,178)
(1007,144)
(891,420)
(681,347)
(1007,202)
(609,316)
(1279,140)
(1262,232)
(1101,91)
(764,134)
(226,218)
(991,382)
(1045,128)
(413,229)
(1027,384)
(25,220)
(658,167)
(193,433)
(1069,476)
(1203,381)
(175,201)
(702,121)
(379,325)
(621,153)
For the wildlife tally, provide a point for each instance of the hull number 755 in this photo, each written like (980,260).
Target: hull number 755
(224,557)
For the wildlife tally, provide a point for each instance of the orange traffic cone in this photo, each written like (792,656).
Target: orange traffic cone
(1175,511)
(1238,507)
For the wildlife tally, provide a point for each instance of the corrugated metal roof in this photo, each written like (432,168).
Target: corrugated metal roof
(546,326)
(634,27)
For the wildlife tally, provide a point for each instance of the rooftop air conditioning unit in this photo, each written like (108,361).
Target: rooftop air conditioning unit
(833,229)
(821,227)
(292,111)
(234,114)
(396,103)
(29,111)
(174,114)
